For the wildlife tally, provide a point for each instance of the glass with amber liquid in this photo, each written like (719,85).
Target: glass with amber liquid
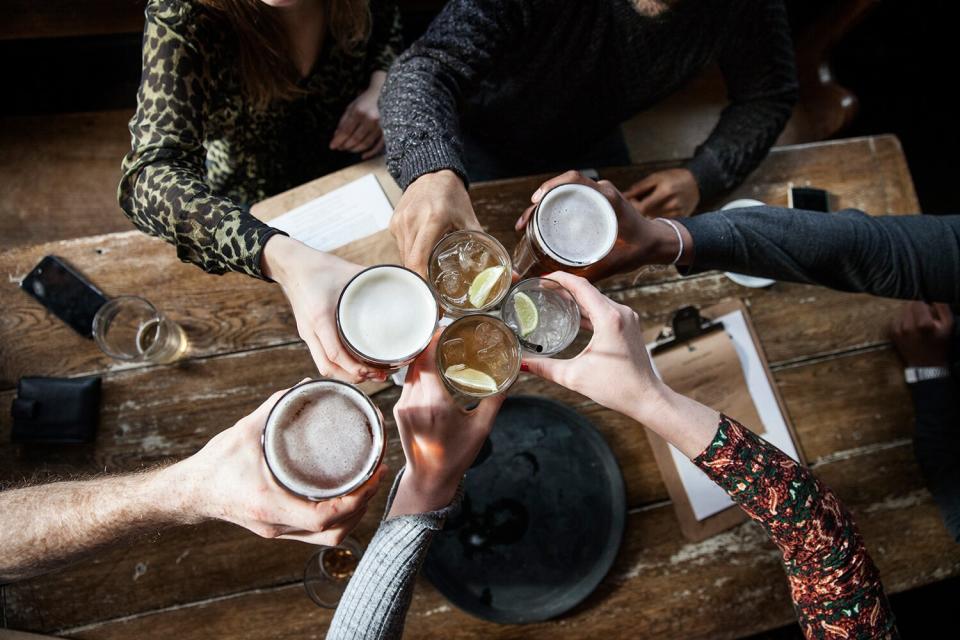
(572,229)
(478,356)
(470,272)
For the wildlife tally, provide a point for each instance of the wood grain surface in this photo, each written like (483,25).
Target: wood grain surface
(839,378)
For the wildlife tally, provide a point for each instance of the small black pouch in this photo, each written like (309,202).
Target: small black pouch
(56,410)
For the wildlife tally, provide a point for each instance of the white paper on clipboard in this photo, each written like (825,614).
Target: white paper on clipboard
(355,210)
(707,498)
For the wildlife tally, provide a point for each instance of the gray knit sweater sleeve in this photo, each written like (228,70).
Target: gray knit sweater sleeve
(374,605)
(424,91)
(912,257)
(757,62)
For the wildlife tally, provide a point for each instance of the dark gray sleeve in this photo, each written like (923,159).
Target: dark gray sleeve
(758,66)
(913,257)
(420,103)
(937,445)
(374,605)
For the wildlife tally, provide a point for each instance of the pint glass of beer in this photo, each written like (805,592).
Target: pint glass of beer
(572,229)
(323,439)
(386,316)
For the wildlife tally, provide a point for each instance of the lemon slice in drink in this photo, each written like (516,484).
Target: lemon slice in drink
(484,283)
(471,378)
(527,315)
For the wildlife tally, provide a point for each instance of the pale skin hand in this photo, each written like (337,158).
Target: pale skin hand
(640,241)
(922,334)
(433,204)
(614,370)
(312,281)
(226,480)
(440,439)
(672,193)
(359,128)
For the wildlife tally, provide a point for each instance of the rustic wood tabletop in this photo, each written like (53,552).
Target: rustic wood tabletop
(841,382)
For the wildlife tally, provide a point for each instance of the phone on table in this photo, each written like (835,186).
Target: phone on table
(809,199)
(65,292)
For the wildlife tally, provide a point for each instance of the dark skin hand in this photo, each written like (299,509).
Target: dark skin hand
(672,193)
(922,334)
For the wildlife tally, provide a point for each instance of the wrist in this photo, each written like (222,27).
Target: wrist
(172,490)
(421,493)
(277,260)
(377,79)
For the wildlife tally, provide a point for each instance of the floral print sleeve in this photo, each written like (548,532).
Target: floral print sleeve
(163,188)
(834,584)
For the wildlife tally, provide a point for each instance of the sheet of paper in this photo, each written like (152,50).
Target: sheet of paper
(356,210)
(706,498)
(708,370)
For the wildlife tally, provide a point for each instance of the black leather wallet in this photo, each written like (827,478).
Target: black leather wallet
(56,410)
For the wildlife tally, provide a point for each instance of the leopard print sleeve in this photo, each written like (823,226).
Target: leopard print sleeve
(834,583)
(162,188)
(386,38)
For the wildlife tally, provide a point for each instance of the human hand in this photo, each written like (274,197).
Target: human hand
(440,439)
(228,480)
(614,369)
(359,128)
(922,334)
(312,281)
(432,205)
(640,241)
(671,193)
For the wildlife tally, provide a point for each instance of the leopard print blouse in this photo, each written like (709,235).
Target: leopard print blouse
(834,583)
(201,154)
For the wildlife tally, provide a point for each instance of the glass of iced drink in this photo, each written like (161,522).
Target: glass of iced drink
(470,272)
(478,356)
(543,314)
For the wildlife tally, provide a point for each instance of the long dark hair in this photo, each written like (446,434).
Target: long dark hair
(265,60)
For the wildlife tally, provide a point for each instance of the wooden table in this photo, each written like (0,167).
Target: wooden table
(841,382)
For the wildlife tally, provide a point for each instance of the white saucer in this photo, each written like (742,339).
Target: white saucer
(743,280)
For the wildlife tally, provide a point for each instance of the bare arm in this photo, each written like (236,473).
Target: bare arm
(49,526)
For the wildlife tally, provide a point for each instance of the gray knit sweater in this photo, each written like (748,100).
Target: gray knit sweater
(534,77)
(374,605)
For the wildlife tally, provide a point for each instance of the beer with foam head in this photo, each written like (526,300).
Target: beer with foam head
(323,439)
(572,229)
(386,316)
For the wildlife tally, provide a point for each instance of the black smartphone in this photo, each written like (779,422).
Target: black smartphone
(64,291)
(809,199)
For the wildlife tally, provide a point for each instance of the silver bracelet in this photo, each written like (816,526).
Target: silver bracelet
(676,230)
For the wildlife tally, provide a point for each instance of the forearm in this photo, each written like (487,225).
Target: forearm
(378,596)
(937,445)
(760,74)
(175,204)
(49,526)
(386,37)
(891,256)
(420,105)
(834,583)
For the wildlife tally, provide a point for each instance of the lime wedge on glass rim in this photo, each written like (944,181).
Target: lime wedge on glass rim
(527,315)
(471,378)
(483,285)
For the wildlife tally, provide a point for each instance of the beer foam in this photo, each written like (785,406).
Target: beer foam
(387,313)
(576,224)
(322,438)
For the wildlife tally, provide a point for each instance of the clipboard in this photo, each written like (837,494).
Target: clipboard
(689,325)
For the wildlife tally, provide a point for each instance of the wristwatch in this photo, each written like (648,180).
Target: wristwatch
(918,374)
